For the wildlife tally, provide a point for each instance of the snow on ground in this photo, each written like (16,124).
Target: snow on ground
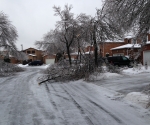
(133,97)
(132,71)
(20,65)
(44,66)
(106,75)
(125,71)
(23,101)
(138,98)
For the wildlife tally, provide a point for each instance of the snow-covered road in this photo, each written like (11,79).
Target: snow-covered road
(24,102)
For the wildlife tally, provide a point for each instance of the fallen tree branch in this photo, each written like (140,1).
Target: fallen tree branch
(48,80)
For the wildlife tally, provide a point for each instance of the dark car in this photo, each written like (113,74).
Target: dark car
(35,63)
(119,61)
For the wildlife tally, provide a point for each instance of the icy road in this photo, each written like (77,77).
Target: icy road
(24,102)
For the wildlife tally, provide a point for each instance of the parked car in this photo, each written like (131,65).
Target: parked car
(35,63)
(119,61)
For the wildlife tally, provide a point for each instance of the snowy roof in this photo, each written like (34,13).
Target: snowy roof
(148,42)
(32,48)
(75,53)
(89,52)
(31,55)
(127,46)
(128,37)
(85,44)
(117,41)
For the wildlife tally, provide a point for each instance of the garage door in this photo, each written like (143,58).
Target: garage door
(146,57)
(49,61)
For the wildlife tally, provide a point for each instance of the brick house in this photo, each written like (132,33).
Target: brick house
(114,48)
(34,54)
(132,49)
(5,54)
(105,47)
(50,58)
(126,50)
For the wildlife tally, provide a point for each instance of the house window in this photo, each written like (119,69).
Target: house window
(33,51)
(128,41)
(28,52)
(118,54)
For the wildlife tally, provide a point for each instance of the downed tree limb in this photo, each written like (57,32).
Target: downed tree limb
(48,80)
(52,78)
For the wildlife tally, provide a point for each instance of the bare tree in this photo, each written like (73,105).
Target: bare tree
(130,13)
(69,33)
(68,27)
(50,43)
(102,29)
(73,33)
(8,35)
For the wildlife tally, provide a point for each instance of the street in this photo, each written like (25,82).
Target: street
(24,102)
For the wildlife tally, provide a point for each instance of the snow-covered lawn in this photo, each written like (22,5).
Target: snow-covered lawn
(133,71)
(137,98)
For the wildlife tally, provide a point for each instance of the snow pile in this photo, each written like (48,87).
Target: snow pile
(127,71)
(20,65)
(138,98)
(44,66)
(132,71)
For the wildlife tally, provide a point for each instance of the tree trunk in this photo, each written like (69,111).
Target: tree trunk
(68,52)
(95,46)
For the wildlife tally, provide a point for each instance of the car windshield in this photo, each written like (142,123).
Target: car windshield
(124,58)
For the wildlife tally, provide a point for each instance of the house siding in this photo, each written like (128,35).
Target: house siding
(107,46)
(37,53)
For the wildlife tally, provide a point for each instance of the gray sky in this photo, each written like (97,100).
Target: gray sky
(34,18)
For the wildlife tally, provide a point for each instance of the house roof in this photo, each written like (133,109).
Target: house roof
(148,42)
(127,46)
(75,53)
(89,52)
(112,41)
(128,37)
(32,48)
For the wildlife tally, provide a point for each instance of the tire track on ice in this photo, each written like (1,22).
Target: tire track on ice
(75,90)
(87,119)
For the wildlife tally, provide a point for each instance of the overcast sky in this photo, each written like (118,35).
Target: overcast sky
(34,18)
